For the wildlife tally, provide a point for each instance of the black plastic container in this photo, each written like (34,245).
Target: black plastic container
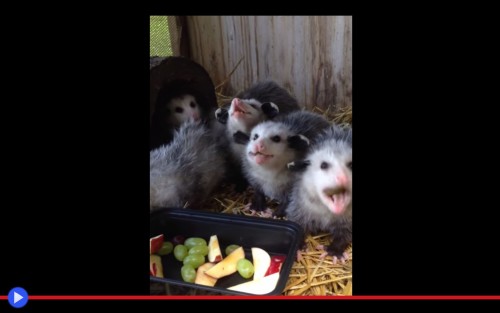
(277,237)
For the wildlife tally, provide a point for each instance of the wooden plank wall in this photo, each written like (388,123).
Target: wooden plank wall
(309,55)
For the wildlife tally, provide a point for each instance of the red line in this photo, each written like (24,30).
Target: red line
(146,297)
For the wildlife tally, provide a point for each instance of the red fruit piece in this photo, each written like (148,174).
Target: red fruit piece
(155,244)
(153,270)
(155,267)
(276,263)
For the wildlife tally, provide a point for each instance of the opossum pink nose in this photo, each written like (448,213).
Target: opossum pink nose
(196,116)
(342,179)
(260,146)
(236,101)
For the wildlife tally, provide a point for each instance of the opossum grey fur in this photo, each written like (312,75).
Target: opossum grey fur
(308,203)
(270,91)
(272,178)
(187,169)
(263,101)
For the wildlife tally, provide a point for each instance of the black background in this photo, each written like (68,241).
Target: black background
(75,157)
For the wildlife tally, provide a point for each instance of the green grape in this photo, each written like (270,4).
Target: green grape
(245,268)
(188,273)
(195,241)
(180,252)
(195,260)
(203,250)
(166,248)
(231,248)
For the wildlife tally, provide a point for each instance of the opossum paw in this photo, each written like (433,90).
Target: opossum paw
(251,212)
(299,255)
(343,259)
(247,210)
(323,255)
(268,213)
(302,249)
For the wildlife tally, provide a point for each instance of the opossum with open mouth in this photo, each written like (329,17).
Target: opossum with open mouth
(188,169)
(270,147)
(262,101)
(321,199)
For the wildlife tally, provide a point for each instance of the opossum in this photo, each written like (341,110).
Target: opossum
(262,101)
(271,146)
(175,77)
(172,109)
(187,169)
(251,100)
(182,109)
(321,198)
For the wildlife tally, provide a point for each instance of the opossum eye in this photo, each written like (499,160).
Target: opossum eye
(179,110)
(324,165)
(276,138)
(349,165)
(192,104)
(255,137)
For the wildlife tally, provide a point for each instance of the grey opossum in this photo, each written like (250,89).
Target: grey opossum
(321,199)
(187,169)
(171,78)
(271,146)
(183,108)
(262,101)
(172,109)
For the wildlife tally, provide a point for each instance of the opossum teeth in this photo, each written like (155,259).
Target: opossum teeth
(238,110)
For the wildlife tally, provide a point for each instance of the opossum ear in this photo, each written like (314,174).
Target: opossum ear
(241,138)
(298,142)
(221,115)
(298,165)
(270,109)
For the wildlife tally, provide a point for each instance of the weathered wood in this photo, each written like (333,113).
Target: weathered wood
(311,56)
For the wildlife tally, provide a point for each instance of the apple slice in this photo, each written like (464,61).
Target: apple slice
(260,286)
(202,278)
(276,263)
(214,253)
(155,244)
(155,267)
(228,265)
(261,262)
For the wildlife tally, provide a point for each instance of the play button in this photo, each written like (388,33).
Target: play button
(18,297)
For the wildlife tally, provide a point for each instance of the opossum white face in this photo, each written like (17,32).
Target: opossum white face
(329,176)
(268,146)
(183,109)
(244,114)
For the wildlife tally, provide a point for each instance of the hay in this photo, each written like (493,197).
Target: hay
(312,274)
